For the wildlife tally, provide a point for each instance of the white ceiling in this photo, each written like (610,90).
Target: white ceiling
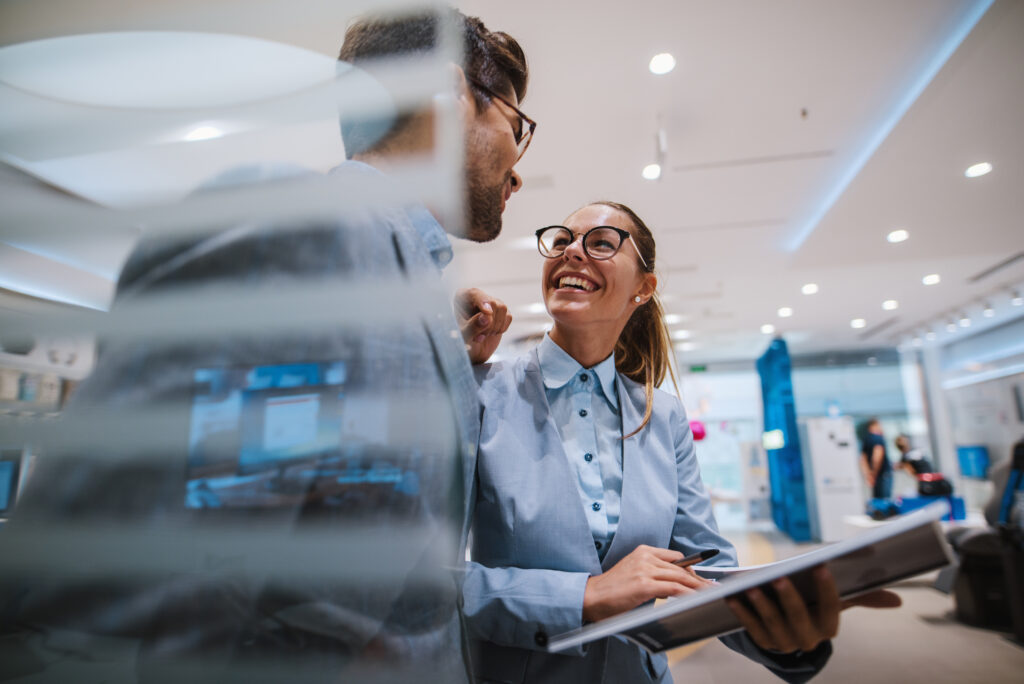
(890,126)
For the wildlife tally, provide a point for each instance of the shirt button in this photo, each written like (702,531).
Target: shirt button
(584,377)
(598,545)
(588,457)
(583,413)
(596,506)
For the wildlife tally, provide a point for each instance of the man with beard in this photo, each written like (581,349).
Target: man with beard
(383,501)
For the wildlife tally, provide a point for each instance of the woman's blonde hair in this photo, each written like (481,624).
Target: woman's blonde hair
(643,352)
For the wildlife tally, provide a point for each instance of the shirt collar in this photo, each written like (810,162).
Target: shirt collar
(434,237)
(430,231)
(557,368)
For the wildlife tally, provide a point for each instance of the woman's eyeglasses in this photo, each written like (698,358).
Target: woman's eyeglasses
(599,243)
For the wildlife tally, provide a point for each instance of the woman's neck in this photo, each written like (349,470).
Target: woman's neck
(588,349)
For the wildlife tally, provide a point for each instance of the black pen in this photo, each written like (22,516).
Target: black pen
(696,558)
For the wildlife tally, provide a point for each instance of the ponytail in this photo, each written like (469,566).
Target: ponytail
(643,352)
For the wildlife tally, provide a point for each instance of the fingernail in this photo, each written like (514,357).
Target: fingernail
(486,306)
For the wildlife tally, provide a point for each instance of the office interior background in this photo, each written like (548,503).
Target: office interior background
(845,176)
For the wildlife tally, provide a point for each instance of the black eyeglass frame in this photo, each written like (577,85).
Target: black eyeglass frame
(525,133)
(623,236)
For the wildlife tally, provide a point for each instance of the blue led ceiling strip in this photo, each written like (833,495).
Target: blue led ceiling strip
(971,17)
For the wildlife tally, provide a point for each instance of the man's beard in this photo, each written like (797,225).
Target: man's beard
(483,209)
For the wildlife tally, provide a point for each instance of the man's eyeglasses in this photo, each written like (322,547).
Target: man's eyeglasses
(524,133)
(599,243)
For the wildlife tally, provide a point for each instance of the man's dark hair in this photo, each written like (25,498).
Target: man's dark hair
(493,58)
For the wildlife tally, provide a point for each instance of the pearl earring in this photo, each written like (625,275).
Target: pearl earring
(637,299)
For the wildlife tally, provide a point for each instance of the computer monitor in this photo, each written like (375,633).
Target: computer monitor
(10,468)
(252,425)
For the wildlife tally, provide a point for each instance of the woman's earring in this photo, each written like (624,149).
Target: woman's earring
(637,299)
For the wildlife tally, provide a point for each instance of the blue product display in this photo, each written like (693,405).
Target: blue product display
(785,465)
(973,461)
(912,503)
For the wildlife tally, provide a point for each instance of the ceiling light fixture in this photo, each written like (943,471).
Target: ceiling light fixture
(965,321)
(673,319)
(930,335)
(858,323)
(979,169)
(917,341)
(535,308)
(951,327)
(662,63)
(767,329)
(890,305)
(203,133)
(810,288)
(686,346)
(897,236)
(785,312)
(931,279)
(652,172)
(1017,300)
(988,311)
(681,335)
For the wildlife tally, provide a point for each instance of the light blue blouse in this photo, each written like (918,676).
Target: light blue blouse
(585,408)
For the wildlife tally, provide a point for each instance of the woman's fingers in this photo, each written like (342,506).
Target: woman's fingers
(876,599)
(829,603)
(780,637)
(807,632)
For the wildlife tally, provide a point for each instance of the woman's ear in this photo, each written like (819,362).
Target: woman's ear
(648,287)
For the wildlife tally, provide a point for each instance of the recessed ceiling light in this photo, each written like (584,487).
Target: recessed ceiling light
(930,335)
(785,312)
(810,288)
(535,308)
(979,169)
(890,305)
(1017,299)
(651,172)
(674,319)
(988,311)
(931,279)
(858,323)
(965,322)
(203,133)
(681,335)
(897,236)
(662,63)
(686,346)
(951,327)
(767,329)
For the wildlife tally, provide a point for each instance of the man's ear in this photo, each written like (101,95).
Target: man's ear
(460,89)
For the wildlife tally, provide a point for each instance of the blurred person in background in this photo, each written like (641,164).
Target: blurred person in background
(874,461)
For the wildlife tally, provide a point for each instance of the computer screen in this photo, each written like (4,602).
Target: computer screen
(269,436)
(10,465)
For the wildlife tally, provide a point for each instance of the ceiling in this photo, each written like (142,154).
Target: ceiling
(797,134)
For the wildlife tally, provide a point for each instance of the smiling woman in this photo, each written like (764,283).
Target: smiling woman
(588,485)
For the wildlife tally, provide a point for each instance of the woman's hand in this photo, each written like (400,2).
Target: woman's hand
(787,624)
(483,320)
(646,573)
